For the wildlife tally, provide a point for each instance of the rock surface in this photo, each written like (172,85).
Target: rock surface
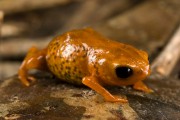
(51,99)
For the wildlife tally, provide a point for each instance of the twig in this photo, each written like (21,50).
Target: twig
(8,68)
(1,19)
(13,29)
(166,61)
(92,12)
(9,6)
(21,46)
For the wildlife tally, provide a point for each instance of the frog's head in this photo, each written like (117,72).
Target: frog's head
(125,66)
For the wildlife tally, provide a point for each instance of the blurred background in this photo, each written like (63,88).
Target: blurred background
(146,24)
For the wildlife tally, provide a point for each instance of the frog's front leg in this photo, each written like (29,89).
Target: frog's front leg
(35,59)
(142,87)
(93,83)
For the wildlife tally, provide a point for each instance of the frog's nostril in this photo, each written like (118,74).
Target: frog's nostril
(123,72)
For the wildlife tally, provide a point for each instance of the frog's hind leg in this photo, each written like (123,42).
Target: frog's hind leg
(35,59)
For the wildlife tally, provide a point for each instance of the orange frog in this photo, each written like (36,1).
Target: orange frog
(86,57)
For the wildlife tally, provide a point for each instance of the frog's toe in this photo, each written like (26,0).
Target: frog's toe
(117,99)
(27,80)
(24,81)
(27,83)
(148,90)
(31,78)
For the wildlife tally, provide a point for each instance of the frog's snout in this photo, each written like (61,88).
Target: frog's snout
(149,72)
(143,54)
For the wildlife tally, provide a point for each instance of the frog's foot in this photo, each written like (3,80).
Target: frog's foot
(142,87)
(115,99)
(31,78)
(26,80)
(35,59)
(93,83)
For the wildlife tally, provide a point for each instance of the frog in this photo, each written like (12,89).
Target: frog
(85,57)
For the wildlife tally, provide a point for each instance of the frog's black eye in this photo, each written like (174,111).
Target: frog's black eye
(123,72)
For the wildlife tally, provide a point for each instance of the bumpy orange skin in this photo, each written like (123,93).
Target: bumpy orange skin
(85,57)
